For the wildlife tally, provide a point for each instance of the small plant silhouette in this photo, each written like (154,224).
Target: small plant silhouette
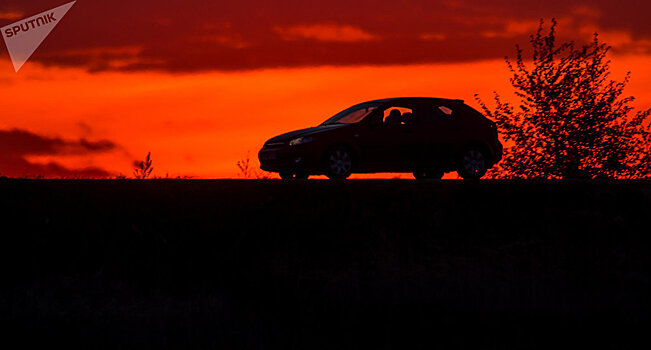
(244,165)
(247,171)
(143,168)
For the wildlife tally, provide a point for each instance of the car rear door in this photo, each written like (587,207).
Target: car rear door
(441,134)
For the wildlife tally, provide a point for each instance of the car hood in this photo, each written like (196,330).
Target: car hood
(303,132)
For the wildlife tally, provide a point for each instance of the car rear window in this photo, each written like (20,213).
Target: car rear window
(447,111)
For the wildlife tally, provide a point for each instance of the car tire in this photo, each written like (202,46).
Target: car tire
(419,175)
(338,163)
(472,163)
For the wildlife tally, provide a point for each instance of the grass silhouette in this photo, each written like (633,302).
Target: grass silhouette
(246,170)
(144,168)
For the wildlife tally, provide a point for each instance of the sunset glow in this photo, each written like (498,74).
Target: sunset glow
(200,122)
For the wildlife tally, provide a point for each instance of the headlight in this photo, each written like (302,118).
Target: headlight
(299,141)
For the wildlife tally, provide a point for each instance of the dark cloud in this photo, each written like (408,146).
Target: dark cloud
(17,145)
(195,35)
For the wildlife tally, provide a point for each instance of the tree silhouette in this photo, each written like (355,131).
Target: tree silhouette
(572,121)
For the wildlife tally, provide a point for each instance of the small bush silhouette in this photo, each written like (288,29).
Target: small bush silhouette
(247,171)
(572,121)
(144,168)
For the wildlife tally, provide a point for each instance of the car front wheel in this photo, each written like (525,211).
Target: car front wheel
(338,163)
(473,164)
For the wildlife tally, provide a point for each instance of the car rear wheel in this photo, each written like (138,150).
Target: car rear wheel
(473,163)
(338,163)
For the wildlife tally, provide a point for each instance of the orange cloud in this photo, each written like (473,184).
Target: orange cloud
(22,150)
(207,35)
(230,40)
(622,40)
(324,32)
(10,15)
(132,50)
(512,28)
(587,11)
(433,36)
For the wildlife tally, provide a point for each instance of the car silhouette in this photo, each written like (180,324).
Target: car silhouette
(425,136)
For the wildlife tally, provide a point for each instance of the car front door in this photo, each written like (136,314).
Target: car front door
(382,142)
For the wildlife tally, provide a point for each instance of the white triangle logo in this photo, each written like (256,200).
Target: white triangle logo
(25,36)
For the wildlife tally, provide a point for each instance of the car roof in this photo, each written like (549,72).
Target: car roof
(432,100)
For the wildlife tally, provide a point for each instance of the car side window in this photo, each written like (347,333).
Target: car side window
(437,114)
(446,111)
(397,115)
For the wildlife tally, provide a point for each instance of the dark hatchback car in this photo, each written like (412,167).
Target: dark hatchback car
(424,136)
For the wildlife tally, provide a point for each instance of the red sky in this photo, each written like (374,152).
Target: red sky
(199,84)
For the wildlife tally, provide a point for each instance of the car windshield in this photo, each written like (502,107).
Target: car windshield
(353,114)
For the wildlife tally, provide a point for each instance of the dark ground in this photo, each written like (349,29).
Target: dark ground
(301,265)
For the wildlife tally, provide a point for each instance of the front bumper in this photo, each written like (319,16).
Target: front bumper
(286,158)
